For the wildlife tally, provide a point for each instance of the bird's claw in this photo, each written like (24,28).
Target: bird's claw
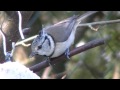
(67,53)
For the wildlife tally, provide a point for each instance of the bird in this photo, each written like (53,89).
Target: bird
(55,40)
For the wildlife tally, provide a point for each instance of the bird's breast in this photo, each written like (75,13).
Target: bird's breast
(61,47)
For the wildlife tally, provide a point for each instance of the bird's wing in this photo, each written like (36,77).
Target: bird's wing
(62,30)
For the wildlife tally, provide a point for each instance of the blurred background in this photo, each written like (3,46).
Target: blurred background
(101,62)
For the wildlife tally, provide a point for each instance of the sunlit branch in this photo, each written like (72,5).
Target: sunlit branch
(20,25)
(4,42)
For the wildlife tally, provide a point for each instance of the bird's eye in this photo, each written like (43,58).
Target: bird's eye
(37,54)
(39,47)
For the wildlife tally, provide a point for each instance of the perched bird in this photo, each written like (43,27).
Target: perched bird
(56,39)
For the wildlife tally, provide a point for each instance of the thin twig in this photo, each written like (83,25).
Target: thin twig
(60,75)
(46,72)
(80,25)
(25,40)
(20,25)
(9,54)
(64,77)
(75,51)
(10,29)
(100,23)
(4,42)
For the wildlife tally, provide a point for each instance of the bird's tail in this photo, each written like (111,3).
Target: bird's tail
(76,19)
(84,16)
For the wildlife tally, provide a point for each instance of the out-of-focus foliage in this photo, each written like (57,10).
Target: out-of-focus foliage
(100,62)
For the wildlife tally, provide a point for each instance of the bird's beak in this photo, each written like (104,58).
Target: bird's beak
(32,54)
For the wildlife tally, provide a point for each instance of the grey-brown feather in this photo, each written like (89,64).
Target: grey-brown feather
(64,27)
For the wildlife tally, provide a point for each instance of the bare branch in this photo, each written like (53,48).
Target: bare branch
(4,42)
(100,23)
(60,75)
(80,25)
(46,72)
(20,25)
(75,51)
(8,55)
(10,28)
(25,40)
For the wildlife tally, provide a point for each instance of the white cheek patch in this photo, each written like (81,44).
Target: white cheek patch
(45,48)
(47,45)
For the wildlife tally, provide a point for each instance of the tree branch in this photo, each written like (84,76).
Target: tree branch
(80,25)
(75,51)
(10,29)
(100,23)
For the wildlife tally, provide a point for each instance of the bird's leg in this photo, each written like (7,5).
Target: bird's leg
(67,53)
